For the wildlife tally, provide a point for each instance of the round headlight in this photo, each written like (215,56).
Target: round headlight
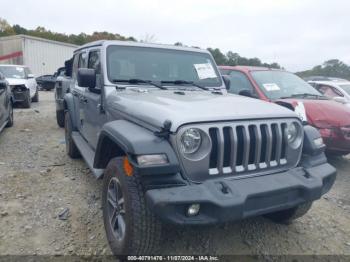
(292,132)
(191,141)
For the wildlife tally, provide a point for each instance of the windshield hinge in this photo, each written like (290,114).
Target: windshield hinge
(165,130)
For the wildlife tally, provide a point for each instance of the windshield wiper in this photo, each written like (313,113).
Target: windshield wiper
(139,81)
(184,82)
(305,95)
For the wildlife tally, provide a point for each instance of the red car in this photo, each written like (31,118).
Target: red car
(332,119)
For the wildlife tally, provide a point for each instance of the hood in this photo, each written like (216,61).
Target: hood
(325,112)
(155,106)
(16,81)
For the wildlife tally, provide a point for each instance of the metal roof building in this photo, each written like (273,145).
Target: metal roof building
(41,55)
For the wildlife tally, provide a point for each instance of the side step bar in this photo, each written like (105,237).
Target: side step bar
(87,153)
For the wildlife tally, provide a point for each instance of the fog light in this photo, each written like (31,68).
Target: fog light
(193,210)
(318,142)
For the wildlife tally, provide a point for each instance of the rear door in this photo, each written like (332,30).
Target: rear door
(93,115)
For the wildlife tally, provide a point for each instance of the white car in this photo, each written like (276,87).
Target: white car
(22,82)
(338,90)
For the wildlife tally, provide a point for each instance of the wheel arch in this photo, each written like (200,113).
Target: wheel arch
(68,103)
(123,138)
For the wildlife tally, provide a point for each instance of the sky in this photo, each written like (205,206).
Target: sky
(297,34)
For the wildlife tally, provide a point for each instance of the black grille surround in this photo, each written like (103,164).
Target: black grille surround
(240,148)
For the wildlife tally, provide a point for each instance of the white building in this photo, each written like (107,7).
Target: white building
(41,55)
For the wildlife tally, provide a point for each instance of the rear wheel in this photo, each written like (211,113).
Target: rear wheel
(71,148)
(287,216)
(10,117)
(60,118)
(36,96)
(131,227)
(27,100)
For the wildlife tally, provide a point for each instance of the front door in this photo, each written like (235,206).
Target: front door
(78,92)
(94,117)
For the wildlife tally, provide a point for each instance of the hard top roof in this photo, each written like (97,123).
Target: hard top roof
(138,44)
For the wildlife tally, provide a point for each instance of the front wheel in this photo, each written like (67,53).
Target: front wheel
(71,148)
(27,100)
(131,227)
(60,118)
(36,96)
(287,216)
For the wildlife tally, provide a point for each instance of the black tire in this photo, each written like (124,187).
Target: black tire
(60,118)
(35,99)
(27,101)
(287,216)
(10,117)
(142,230)
(71,148)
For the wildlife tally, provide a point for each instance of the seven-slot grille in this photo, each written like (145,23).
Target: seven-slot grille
(240,148)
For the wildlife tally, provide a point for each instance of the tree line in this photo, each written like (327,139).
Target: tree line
(330,68)
(230,58)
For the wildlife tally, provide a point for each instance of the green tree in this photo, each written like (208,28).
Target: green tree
(330,68)
(219,57)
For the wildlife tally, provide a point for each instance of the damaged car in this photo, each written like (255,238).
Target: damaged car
(22,83)
(332,119)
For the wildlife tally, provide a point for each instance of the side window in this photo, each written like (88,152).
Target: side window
(94,61)
(80,61)
(75,66)
(27,71)
(328,91)
(239,82)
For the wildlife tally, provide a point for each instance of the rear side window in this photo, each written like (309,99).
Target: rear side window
(239,82)
(94,61)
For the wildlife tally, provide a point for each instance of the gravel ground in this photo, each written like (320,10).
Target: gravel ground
(39,184)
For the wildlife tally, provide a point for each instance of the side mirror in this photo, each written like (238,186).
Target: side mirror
(248,93)
(227,82)
(30,76)
(340,99)
(86,77)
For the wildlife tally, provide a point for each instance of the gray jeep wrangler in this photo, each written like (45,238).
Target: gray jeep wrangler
(156,123)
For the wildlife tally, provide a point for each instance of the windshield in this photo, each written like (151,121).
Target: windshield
(346,88)
(13,72)
(156,64)
(279,84)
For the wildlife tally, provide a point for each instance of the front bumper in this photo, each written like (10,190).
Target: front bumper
(244,197)
(20,95)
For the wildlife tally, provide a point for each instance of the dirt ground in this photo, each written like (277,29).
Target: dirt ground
(38,181)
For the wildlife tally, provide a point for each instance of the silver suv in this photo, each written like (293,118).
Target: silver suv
(157,124)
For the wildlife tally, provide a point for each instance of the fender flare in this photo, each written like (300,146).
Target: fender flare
(121,137)
(69,106)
